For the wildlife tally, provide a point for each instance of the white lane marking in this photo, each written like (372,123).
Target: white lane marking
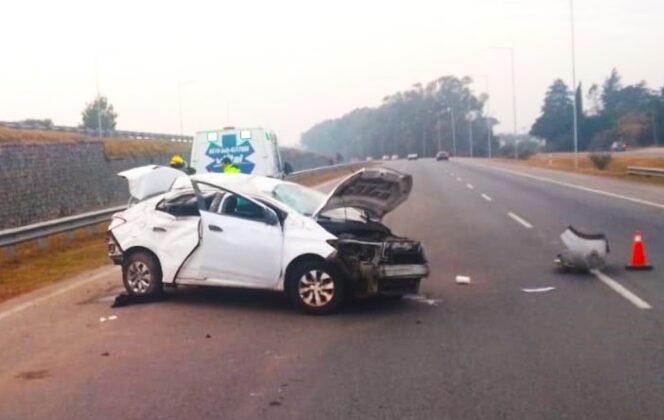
(58,292)
(458,179)
(621,290)
(520,220)
(470,186)
(578,187)
(486,197)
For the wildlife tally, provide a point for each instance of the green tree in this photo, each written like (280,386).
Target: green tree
(417,120)
(555,123)
(91,113)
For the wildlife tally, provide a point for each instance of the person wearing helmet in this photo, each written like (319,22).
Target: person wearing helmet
(227,166)
(177,162)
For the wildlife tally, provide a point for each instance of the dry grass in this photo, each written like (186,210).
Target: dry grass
(616,169)
(13,136)
(35,268)
(123,148)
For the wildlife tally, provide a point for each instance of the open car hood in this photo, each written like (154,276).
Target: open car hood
(376,191)
(150,180)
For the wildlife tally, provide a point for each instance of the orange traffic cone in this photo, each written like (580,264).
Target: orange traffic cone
(638,255)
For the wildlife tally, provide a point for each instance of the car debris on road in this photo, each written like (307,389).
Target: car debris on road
(584,251)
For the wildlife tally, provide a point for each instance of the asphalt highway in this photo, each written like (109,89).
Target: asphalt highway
(484,350)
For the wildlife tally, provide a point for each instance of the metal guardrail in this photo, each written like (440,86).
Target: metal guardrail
(9,238)
(642,171)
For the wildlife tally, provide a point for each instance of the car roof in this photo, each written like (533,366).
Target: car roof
(240,183)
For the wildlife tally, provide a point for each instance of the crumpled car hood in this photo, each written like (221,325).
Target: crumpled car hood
(377,191)
(150,180)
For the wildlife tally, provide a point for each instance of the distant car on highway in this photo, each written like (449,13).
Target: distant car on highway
(386,157)
(395,157)
(258,232)
(442,155)
(413,156)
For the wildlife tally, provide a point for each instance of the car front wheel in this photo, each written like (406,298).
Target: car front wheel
(316,288)
(141,274)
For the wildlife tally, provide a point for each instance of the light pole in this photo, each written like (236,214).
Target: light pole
(470,118)
(574,104)
(180,84)
(511,51)
(449,108)
(488,123)
(98,98)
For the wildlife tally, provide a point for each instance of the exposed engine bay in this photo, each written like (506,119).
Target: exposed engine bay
(379,261)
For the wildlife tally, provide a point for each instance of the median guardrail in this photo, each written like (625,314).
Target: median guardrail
(642,171)
(39,232)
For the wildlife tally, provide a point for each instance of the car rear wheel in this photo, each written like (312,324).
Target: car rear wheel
(141,274)
(316,288)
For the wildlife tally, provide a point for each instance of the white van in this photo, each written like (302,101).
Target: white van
(252,150)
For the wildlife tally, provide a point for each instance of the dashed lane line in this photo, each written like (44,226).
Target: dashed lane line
(486,197)
(470,186)
(523,222)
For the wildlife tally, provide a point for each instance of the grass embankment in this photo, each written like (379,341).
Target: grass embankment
(113,148)
(123,148)
(35,268)
(13,136)
(616,169)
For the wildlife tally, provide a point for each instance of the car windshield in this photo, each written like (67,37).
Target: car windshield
(301,199)
(306,201)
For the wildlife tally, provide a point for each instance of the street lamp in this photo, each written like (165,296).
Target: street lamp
(488,123)
(470,116)
(574,104)
(98,98)
(511,51)
(451,110)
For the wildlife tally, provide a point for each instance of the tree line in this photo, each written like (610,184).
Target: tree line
(614,113)
(443,115)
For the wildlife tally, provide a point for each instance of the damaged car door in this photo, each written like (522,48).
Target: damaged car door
(241,243)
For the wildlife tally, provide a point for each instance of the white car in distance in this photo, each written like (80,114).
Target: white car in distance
(257,232)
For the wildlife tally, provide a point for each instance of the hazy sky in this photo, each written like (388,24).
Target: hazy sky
(289,64)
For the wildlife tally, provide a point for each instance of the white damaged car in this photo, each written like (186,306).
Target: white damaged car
(257,232)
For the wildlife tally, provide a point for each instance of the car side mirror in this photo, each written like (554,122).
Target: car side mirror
(270,217)
(288,168)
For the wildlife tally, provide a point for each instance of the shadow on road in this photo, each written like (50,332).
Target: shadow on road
(258,300)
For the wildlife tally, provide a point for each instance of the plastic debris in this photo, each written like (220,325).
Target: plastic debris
(583,251)
(539,289)
(463,280)
(422,299)
(102,319)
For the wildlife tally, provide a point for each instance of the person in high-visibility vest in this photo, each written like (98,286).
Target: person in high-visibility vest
(227,167)
(177,162)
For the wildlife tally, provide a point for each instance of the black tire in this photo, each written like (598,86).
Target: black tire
(326,292)
(141,274)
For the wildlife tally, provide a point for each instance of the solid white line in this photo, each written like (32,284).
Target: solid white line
(577,187)
(58,292)
(486,197)
(621,290)
(520,220)
(470,186)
